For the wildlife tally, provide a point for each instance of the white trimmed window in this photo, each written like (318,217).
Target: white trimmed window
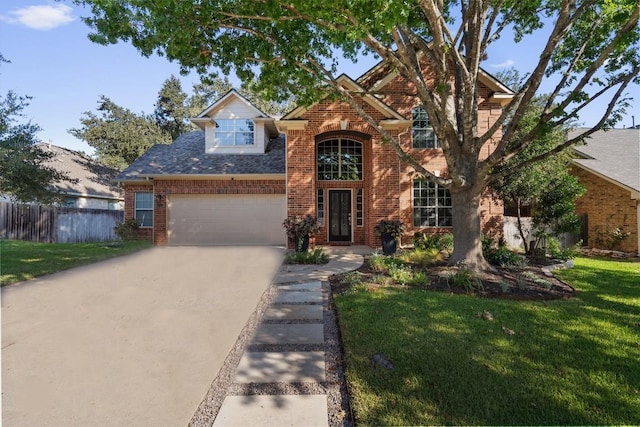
(234,132)
(422,131)
(144,209)
(431,205)
(339,160)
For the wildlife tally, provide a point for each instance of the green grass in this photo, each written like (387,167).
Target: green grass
(21,260)
(569,362)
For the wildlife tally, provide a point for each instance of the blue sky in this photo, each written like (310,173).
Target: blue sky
(53,61)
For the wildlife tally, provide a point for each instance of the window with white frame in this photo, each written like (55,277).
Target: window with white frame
(339,160)
(422,131)
(234,132)
(431,205)
(144,209)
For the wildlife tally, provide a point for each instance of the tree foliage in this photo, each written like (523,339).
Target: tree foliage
(545,186)
(119,135)
(589,52)
(213,88)
(172,112)
(24,173)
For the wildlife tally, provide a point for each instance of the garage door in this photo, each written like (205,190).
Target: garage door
(237,219)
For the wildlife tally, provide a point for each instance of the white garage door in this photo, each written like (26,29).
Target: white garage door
(237,219)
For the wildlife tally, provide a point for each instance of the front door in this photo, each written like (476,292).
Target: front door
(339,215)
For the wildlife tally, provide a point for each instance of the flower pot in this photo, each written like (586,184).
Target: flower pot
(302,244)
(389,244)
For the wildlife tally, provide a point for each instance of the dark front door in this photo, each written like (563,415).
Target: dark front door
(339,215)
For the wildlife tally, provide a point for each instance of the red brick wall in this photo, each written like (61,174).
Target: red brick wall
(130,206)
(163,188)
(387,184)
(607,206)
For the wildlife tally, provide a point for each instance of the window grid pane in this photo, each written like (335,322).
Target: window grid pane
(339,159)
(431,205)
(359,208)
(320,206)
(144,209)
(422,131)
(234,132)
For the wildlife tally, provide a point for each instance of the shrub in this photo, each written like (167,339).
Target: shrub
(554,250)
(381,263)
(127,230)
(466,278)
(317,256)
(420,257)
(500,255)
(441,242)
(611,238)
(404,275)
(377,263)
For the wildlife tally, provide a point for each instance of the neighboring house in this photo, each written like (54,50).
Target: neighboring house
(608,165)
(237,180)
(93,188)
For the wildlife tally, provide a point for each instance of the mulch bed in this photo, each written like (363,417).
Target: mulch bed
(529,283)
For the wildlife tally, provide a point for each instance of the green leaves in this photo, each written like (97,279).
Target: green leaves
(119,135)
(24,173)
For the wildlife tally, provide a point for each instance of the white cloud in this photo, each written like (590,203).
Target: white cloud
(45,17)
(505,64)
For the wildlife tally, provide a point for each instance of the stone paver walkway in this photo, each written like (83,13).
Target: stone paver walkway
(274,356)
(287,372)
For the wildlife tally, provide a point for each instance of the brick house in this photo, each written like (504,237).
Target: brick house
(608,165)
(209,188)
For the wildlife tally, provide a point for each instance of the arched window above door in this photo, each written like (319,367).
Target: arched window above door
(339,160)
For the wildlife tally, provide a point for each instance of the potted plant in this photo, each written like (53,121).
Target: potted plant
(300,228)
(389,231)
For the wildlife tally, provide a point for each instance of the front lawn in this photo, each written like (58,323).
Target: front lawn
(20,260)
(419,357)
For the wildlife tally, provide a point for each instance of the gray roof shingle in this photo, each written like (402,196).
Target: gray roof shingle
(94,179)
(614,154)
(186,156)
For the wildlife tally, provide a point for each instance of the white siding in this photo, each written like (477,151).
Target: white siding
(234,109)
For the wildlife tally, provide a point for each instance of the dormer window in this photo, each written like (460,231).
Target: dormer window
(234,132)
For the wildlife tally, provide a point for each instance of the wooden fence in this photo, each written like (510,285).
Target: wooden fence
(514,241)
(57,224)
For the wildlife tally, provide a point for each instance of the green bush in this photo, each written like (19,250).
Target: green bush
(466,278)
(498,254)
(404,275)
(381,263)
(503,257)
(441,242)
(420,257)
(127,230)
(317,256)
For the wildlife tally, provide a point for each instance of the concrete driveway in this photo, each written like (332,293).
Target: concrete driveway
(135,340)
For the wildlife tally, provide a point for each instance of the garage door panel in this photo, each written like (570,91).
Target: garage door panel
(226,219)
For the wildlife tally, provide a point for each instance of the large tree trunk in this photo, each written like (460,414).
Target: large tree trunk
(467,234)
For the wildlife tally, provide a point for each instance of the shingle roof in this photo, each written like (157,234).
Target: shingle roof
(614,154)
(93,178)
(186,156)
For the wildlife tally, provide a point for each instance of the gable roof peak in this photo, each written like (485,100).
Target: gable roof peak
(231,93)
